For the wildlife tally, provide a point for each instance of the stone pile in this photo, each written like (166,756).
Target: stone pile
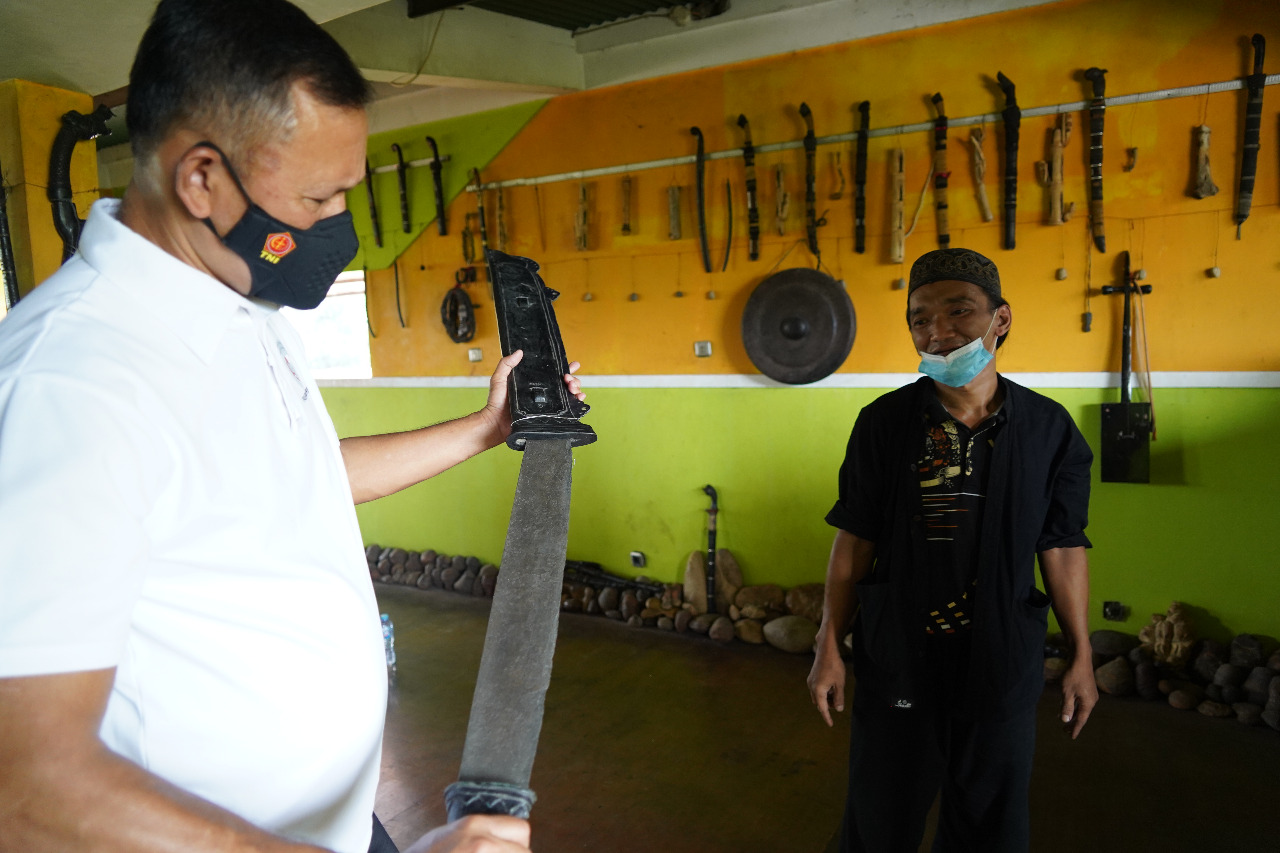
(766,613)
(429,570)
(1240,680)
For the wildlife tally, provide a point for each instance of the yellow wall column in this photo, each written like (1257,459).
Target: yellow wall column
(30,117)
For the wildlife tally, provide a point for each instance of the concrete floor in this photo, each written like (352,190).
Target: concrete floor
(658,742)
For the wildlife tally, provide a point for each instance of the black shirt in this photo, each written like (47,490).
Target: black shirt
(1037,499)
(952,469)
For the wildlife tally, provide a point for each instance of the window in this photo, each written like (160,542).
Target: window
(336,334)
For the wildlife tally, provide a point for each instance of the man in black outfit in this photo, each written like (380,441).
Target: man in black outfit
(951,488)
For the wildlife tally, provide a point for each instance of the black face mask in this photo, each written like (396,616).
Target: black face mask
(288,266)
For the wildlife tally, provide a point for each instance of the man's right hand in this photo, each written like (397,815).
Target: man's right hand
(476,834)
(826,681)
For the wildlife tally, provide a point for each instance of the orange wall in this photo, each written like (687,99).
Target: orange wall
(1195,322)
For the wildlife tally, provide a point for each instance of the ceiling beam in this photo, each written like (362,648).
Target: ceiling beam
(418,8)
(467,47)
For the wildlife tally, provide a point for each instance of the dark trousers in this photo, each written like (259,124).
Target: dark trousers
(900,758)
(381,842)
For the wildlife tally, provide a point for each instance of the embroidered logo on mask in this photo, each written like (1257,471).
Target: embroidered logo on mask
(277,246)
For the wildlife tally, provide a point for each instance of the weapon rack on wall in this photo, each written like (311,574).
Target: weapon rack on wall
(601,188)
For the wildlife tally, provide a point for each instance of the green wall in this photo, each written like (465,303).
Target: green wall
(1196,534)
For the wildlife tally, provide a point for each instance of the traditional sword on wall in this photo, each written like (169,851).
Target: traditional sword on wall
(753,209)
(402,177)
(860,180)
(940,171)
(1097,117)
(437,183)
(1012,126)
(373,204)
(1256,82)
(701,174)
(810,180)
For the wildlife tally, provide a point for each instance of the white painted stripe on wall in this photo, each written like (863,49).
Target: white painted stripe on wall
(1159,379)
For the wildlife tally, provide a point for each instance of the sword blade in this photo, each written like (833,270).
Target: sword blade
(515,666)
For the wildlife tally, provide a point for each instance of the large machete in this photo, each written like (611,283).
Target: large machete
(1256,82)
(515,666)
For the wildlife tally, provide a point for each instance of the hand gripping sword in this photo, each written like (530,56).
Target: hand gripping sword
(810,179)
(753,210)
(701,176)
(437,182)
(860,180)
(515,666)
(940,172)
(1012,125)
(1097,117)
(1256,82)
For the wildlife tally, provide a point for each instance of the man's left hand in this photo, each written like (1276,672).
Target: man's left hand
(1079,695)
(497,411)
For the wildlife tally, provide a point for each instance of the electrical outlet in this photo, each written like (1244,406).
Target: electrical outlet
(702,349)
(475,354)
(1114,611)
(638,560)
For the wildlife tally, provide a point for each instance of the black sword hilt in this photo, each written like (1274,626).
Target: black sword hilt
(1259,52)
(437,182)
(1097,76)
(541,406)
(1009,89)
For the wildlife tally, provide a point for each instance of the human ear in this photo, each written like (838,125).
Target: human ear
(1004,319)
(193,178)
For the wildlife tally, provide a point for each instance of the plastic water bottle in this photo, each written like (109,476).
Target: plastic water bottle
(389,644)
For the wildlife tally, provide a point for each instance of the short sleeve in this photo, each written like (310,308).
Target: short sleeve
(1068,512)
(75,468)
(860,505)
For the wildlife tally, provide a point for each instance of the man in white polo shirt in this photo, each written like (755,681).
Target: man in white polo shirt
(190,656)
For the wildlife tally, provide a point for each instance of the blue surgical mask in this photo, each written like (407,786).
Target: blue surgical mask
(960,366)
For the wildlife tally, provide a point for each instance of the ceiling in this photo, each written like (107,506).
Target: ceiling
(576,15)
(463,57)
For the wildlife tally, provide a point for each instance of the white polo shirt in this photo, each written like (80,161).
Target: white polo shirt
(173,503)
